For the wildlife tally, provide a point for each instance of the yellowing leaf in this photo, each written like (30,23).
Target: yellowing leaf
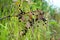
(17,3)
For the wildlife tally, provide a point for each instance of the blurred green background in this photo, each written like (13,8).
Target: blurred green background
(10,27)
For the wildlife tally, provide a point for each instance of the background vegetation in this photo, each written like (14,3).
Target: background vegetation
(10,27)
